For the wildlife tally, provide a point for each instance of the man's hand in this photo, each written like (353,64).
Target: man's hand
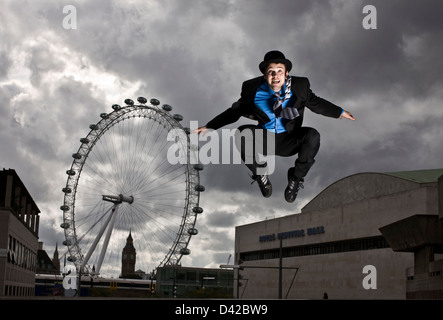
(201,130)
(347,115)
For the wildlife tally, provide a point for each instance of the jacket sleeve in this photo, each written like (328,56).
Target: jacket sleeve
(320,105)
(243,107)
(226,117)
(231,114)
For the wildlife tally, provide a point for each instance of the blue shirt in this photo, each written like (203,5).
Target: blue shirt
(265,100)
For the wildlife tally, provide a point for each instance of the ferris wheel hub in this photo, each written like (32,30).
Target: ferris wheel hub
(118,199)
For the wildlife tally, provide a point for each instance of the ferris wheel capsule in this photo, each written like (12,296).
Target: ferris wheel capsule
(167,107)
(64,225)
(197,210)
(185,251)
(198,167)
(154,102)
(193,231)
(142,100)
(129,102)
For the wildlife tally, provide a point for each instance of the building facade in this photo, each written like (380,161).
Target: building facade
(19,225)
(335,246)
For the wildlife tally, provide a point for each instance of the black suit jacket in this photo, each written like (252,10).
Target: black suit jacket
(246,107)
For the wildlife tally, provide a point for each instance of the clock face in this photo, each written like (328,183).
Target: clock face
(132,257)
(125,256)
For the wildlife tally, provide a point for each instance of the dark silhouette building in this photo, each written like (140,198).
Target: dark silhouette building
(44,263)
(128,259)
(56,260)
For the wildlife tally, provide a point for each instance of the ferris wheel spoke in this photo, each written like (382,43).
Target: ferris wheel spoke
(148,169)
(87,220)
(152,211)
(99,173)
(169,184)
(163,165)
(162,227)
(155,182)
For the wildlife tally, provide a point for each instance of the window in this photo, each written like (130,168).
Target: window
(377,242)
(191,277)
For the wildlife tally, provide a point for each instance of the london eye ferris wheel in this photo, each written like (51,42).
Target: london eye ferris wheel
(121,182)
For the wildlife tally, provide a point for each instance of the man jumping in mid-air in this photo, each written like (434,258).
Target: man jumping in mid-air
(277,101)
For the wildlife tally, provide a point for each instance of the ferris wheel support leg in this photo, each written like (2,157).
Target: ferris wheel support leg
(108,236)
(97,239)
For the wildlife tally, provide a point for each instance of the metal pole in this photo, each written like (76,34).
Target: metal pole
(106,241)
(238,283)
(79,282)
(97,239)
(280,271)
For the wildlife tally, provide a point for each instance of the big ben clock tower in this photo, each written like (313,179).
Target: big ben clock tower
(128,258)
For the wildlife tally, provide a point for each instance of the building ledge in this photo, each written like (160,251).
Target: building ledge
(414,232)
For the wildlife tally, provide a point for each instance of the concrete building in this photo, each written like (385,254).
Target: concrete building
(187,282)
(335,245)
(19,225)
(422,235)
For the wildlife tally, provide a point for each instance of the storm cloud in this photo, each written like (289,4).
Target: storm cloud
(194,55)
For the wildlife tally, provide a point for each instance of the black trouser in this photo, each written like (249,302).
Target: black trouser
(305,142)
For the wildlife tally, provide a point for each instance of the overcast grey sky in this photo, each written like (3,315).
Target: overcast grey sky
(194,55)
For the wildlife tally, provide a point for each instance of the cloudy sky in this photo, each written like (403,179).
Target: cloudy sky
(194,55)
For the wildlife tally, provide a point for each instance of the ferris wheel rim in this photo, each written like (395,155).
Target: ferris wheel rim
(191,209)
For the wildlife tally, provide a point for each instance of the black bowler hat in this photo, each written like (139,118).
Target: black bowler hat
(274,57)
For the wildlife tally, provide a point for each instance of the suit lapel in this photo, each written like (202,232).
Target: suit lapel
(296,90)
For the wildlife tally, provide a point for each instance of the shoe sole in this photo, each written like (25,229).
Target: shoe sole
(286,192)
(266,194)
(286,197)
(269,193)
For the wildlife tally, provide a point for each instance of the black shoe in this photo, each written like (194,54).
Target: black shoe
(264,184)
(294,184)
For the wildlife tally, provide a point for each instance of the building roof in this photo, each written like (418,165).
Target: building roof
(16,182)
(368,185)
(419,176)
(44,263)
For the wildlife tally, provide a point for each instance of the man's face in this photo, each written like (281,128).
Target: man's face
(275,75)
